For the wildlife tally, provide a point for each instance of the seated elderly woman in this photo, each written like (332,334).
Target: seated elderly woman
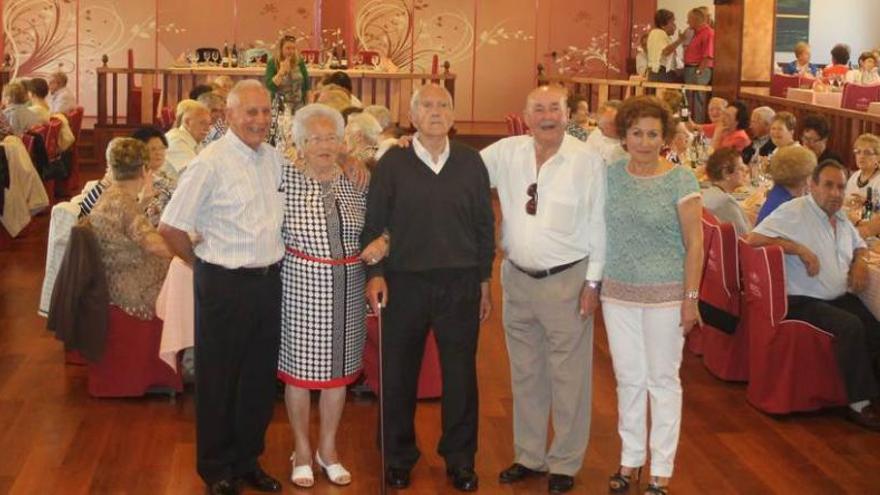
(866,73)
(134,255)
(814,136)
(334,97)
(839,62)
(342,80)
(216,104)
(801,64)
(578,117)
(390,131)
(39,90)
(677,152)
(790,167)
(715,111)
(782,130)
(222,85)
(159,185)
(362,138)
(866,148)
(730,131)
(16,108)
(726,171)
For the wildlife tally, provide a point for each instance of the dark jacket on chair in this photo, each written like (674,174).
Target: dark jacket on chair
(78,308)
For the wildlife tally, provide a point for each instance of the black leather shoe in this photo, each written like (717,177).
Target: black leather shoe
(517,472)
(260,481)
(223,487)
(560,483)
(397,478)
(464,479)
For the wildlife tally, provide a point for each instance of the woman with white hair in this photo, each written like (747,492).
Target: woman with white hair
(362,138)
(323,311)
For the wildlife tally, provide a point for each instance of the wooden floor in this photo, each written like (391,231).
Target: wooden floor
(54,439)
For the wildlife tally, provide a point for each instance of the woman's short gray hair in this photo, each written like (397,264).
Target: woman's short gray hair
(382,115)
(126,158)
(304,115)
(364,124)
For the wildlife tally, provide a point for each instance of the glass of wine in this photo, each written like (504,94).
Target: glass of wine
(215,57)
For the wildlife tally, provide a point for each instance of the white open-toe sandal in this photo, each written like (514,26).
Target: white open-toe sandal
(302,476)
(337,474)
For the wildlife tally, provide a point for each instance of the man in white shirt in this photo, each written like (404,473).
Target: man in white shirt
(604,140)
(824,262)
(664,64)
(552,193)
(61,99)
(184,141)
(229,196)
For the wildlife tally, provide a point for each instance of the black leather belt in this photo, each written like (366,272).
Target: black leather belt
(255,271)
(539,274)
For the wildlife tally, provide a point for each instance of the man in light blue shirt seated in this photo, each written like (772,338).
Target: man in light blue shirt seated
(824,265)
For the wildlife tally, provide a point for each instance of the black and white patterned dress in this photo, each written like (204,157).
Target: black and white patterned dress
(323,311)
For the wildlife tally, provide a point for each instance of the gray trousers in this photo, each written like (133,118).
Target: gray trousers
(700,98)
(551,354)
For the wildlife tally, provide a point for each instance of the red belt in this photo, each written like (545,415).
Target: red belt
(351,260)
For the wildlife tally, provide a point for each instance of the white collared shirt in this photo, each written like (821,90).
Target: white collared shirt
(657,41)
(230,196)
(609,149)
(425,155)
(803,221)
(182,148)
(569,224)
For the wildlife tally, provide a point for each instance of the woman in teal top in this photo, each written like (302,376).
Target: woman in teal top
(650,289)
(287,76)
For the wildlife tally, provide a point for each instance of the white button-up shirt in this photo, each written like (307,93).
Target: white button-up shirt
(657,41)
(608,148)
(802,221)
(425,155)
(182,148)
(230,196)
(569,224)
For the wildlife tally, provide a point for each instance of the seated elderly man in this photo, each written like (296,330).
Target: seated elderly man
(15,109)
(222,86)
(184,141)
(61,99)
(759,128)
(216,104)
(362,138)
(604,140)
(824,265)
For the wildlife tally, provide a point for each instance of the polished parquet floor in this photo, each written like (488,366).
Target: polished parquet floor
(55,439)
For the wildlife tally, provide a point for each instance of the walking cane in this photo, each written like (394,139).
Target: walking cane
(383,488)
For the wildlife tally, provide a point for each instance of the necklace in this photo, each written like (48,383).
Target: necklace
(861,183)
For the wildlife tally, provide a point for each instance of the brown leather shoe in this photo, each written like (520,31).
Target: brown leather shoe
(868,418)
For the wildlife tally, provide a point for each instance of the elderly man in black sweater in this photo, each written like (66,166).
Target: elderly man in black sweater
(433,199)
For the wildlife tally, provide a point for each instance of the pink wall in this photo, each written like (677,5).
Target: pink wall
(492,45)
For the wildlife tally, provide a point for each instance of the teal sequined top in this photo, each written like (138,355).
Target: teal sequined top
(645,254)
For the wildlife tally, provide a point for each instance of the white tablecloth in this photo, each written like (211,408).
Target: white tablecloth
(871,295)
(176,308)
(826,99)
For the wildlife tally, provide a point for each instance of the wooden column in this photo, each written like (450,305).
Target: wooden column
(728,49)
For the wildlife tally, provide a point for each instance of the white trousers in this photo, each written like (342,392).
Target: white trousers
(646,346)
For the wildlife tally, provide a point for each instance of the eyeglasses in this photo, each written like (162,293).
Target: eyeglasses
(858,152)
(532,203)
(810,140)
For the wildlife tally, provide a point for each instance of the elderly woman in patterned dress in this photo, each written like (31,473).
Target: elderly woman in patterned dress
(323,309)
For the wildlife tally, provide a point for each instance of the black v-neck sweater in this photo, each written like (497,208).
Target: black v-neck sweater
(436,221)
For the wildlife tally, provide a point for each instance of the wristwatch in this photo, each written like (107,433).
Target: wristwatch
(692,294)
(594,284)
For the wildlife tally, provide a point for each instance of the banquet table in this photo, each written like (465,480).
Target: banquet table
(825,99)
(176,308)
(871,295)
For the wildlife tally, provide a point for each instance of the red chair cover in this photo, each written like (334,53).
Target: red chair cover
(430,379)
(52,136)
(779,84)
(858,97)
(74,120)
(725,355)
(792,366)
(131,365)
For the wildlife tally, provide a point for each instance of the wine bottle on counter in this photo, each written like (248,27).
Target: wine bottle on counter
(225,60)
(343,61)
(233,61)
